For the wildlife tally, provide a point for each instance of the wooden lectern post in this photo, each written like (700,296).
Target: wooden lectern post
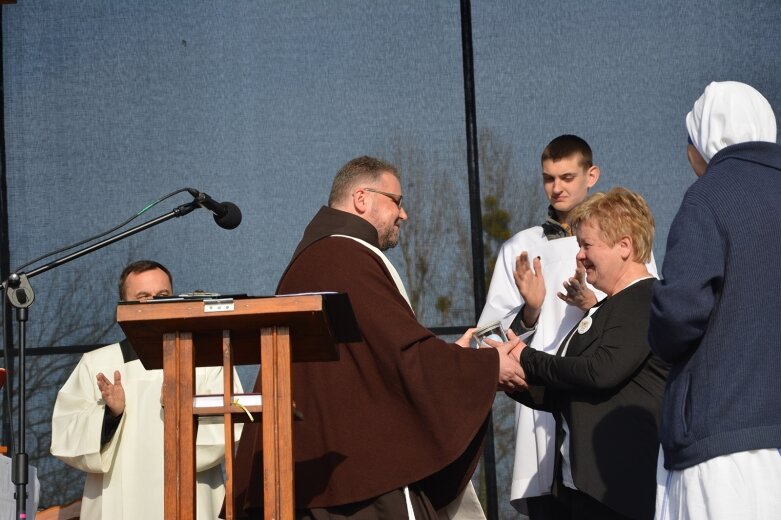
(179,335)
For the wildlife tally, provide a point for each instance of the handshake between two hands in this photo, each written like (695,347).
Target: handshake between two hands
(511,375)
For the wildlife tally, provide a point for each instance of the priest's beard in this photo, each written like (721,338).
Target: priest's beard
(388,238)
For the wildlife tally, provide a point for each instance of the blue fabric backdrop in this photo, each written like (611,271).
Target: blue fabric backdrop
(110,105)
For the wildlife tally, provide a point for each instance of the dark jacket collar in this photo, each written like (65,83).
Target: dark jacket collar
(330,221)
(767,154)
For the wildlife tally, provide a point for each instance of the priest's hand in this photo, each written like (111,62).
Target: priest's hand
(113,394)
(577,292)
(465,341)
(511,376)
(531,285)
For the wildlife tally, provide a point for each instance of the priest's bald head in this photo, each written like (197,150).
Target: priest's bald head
(370,188)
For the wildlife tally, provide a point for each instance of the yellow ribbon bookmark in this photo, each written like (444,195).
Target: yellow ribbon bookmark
(236,402)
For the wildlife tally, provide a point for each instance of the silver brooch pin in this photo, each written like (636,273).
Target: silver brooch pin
(584,325)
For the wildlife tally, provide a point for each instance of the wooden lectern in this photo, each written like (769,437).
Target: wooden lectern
(178,334)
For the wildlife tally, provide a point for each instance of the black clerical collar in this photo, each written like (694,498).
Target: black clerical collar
(128,352)
(554,229)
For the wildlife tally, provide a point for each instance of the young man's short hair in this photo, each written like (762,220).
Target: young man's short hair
(565,146)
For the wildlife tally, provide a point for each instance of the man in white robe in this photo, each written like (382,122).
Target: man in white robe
(567,174)
(114,430)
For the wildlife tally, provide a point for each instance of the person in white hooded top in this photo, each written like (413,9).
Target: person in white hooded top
(716,316)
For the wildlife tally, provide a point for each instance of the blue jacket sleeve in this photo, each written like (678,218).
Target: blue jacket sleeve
(693,273)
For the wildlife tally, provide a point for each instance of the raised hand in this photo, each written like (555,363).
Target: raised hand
(577,292)
(113,394)
(531,285)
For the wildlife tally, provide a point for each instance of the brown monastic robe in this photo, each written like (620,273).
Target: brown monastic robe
(400,408)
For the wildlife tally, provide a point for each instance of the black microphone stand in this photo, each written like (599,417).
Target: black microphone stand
(21,296)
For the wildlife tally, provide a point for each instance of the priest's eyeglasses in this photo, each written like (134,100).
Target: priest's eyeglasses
(392,196)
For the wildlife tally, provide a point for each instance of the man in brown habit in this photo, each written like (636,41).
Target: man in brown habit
(394,428)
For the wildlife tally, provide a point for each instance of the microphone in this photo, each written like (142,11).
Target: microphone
(227,215)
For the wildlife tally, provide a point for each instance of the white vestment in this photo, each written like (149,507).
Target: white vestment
(125,476)
(534,430)
(744,484)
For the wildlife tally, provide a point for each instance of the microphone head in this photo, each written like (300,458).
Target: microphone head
(232,217)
